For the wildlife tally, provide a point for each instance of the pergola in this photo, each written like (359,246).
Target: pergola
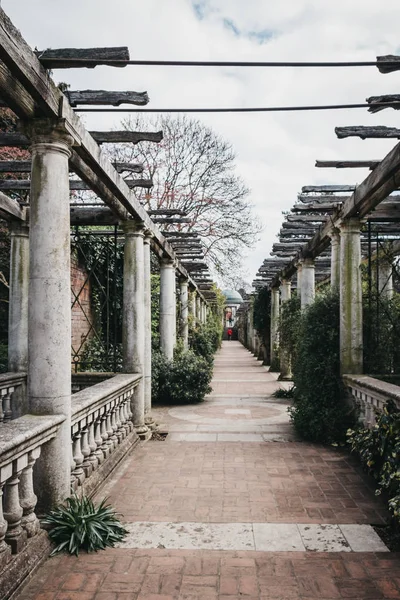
(102,422)
(327,234)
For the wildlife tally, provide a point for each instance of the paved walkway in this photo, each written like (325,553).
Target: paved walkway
(230,506)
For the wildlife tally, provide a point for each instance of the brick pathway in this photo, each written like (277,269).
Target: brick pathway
(190,479)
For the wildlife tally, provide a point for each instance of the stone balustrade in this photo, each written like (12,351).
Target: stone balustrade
(20,445)
(81,381)
(10,384)
(371,395)
(101,421)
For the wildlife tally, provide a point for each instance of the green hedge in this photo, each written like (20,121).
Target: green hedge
(379,451)
(183,380)
(319,412)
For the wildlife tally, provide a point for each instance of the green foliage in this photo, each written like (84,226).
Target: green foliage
(184,380)
(379,451)
(319,412)
(83,525)
(381,330)
(97,357)
(262,310)
(289,326)
(3,358)
(282,393)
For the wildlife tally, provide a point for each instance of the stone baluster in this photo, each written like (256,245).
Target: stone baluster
(128,422)
(92,443)
(78,457)
(98,439)
(104,434)
(85,448)
(110,440)
(114,427)
(28,498)
(5,549)
(7,407)
(13,511)
(120,433)
(74,483)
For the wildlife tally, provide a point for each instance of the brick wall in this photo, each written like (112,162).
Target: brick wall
(80,324)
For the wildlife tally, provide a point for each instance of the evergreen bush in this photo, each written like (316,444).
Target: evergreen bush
(183,380)
(379,451)
(319,412)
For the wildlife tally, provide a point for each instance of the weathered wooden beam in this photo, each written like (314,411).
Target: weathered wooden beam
(25,166)
(15,166)
(181,234)
(390,100)
(293,226)
(168,211)
(92,216)
(171,220)
(103,97)
(25,184)
(367,132)
(134,137)
(314,208)
(347,164)
(381,182)
(75,58)
(10,209)
(126,166)
(101,137)
(385,68)
(305,218)
(323,189)
(322,199)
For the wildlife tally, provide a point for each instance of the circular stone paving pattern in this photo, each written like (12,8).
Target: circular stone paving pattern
(220,414)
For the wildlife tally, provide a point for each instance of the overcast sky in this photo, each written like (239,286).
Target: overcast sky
(276,151)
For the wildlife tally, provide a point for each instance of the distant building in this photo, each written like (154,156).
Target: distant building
(233,301)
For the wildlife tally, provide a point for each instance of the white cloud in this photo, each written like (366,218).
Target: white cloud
(276,151)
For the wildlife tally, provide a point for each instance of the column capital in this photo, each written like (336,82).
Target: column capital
(166,261)
(148,235)
(49,131)
(334,235)
(309,263)
(133,228)
(351,225)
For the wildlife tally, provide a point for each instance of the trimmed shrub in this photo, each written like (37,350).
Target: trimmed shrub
(319,412)
(379,452)
(184,380)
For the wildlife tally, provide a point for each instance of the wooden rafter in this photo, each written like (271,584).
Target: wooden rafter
(347,164)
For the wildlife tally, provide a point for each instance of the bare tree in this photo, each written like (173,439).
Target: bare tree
(193,169)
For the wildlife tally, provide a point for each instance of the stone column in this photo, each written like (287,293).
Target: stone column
(192,304)
(307,282)
(18,305)
(351,339)
(284,357)
(274,323)
(133,318)
(184,312)
(335,259)
(167,307)
(148,419)
(49,304)
(298,278)
(198,308)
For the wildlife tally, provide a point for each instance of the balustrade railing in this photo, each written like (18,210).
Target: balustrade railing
(20,445)
(371,395)
(101,420)
(10,385)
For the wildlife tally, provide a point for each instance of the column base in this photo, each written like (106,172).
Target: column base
(150,422)
(143,432)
